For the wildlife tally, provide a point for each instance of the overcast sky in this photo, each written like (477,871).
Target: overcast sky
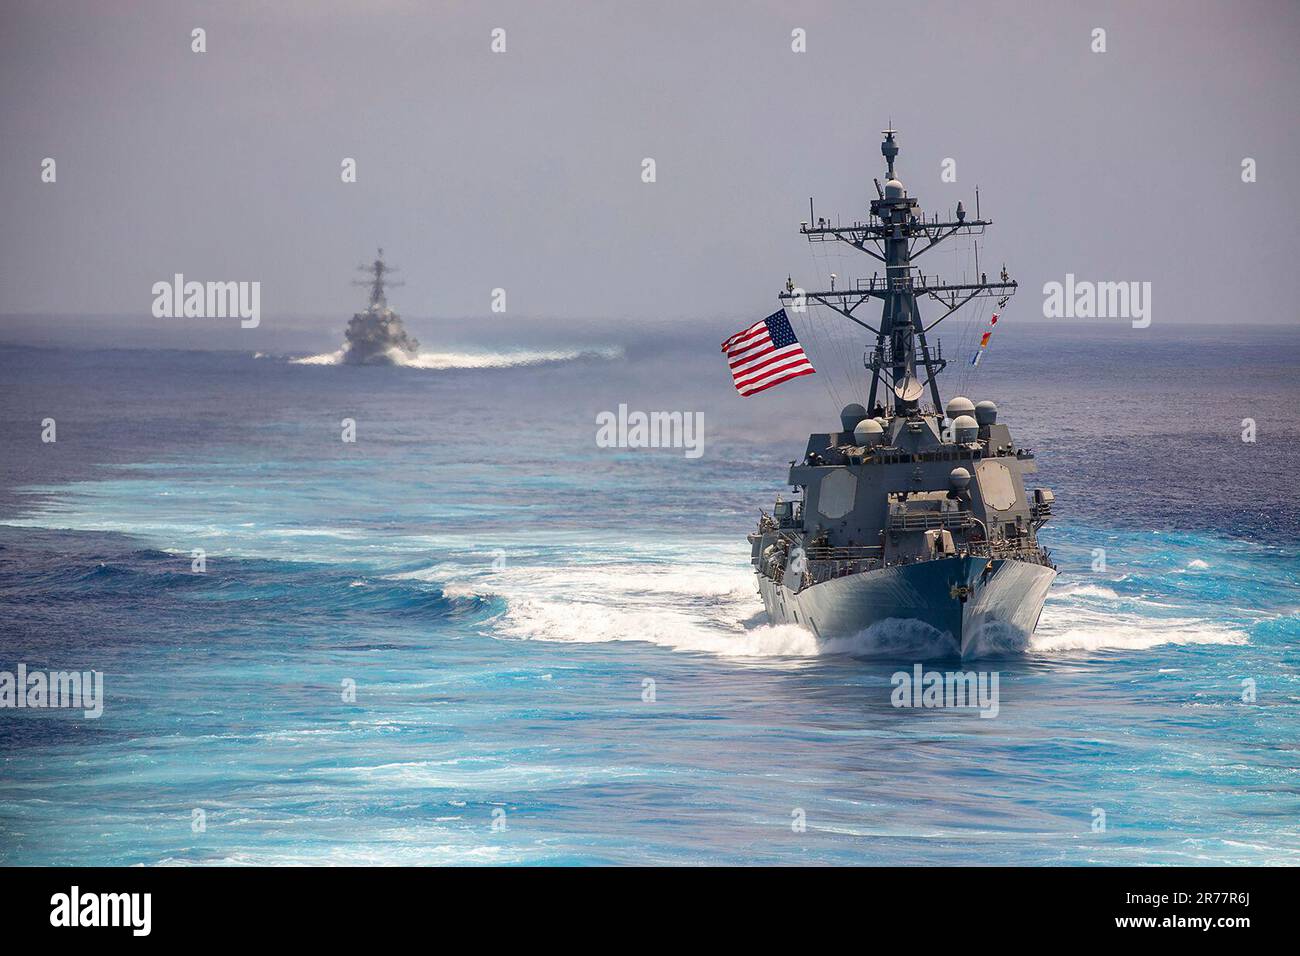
(522,170)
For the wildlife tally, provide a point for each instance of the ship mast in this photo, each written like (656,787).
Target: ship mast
(890,235)
(377,270)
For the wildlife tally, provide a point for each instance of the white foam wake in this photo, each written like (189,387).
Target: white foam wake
(705,607)
(696,607)
(1075,629)
(325,358)
(1093,617)
(714,608)
(441,361)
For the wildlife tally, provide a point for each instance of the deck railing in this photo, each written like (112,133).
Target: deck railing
(925,520)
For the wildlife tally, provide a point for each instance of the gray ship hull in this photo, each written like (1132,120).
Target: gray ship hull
(912,609)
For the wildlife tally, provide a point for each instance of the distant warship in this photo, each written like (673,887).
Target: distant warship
(913,512)
(376,336)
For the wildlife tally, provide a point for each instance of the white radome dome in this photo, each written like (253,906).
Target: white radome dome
(868,432)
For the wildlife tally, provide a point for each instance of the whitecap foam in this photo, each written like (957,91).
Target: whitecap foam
(1076,629)
(437,573)
(702,607)
(1086,590)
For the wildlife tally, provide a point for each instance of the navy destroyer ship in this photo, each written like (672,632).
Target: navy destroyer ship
(376,336)
(914,518)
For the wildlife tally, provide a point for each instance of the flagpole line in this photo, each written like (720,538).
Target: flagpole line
(817,317)
(843,362)
(828,366)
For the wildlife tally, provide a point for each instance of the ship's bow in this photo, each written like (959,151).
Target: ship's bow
(975,607)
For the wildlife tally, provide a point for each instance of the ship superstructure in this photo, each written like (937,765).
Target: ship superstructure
(915,515)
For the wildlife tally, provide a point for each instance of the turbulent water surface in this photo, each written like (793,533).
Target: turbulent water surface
(557,649)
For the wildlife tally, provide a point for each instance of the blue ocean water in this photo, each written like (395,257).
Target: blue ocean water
(501,590)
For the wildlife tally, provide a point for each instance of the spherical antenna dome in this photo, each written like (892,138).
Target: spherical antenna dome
(966,428)
(850,416)
(868,432)
(959,479)
(986,413)
(958,406)
(893,189)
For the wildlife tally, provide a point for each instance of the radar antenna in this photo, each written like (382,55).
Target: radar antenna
(891,234)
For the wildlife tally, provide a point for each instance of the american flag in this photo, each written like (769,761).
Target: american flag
(766,354)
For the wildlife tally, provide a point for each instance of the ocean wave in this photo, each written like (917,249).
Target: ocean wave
(443,361)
